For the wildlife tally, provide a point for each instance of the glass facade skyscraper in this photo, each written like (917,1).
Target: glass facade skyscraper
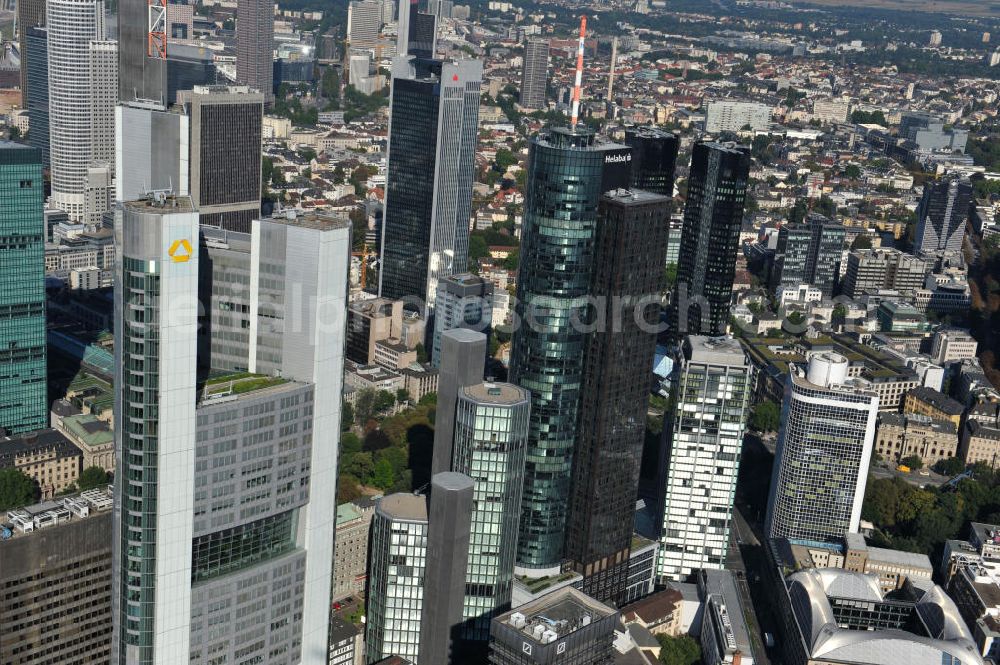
(491,438)
(654,159)
(630,243)
(941,215)
(23,385)
(706,439)
(823,452)
(428,200)
(36,95)
(710,241)
(567,173)
(397,560)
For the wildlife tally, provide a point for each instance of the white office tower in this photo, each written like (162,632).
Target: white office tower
(364,22)
(824,448)
(72,27)
(713,394)
(225,503)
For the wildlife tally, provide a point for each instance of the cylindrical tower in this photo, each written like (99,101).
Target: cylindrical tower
(824,448)
(72,26)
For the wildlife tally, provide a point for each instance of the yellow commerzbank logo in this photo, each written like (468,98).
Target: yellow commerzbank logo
(180,251)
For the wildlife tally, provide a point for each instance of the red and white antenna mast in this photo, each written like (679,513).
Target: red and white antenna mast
(575,117)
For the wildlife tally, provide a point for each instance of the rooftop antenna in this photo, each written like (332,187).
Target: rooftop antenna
(579,74)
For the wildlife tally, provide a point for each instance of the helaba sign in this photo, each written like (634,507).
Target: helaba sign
(617,169)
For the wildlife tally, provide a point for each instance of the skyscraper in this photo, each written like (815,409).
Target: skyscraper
(710,241)
(534,73)
(142,51)
(630,243)
(35,65)
(150,69)
(397,563)
(255,46)
(491,438)
(823,451)
(706,438)
(189,560)
(462,301)
(463,362)
(30,14)
(23,403)
(72,26)
(567,173)
(941,215)
(809,253)
(225,160)
(448,532)
(364,21)
(654,159)
(151,150)
(428,202)
(103,98)
(416,31)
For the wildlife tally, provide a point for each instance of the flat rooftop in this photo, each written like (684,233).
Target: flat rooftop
(162,204)
(237,383)
(562,612)
(496,393)
(403,506)
(311,219)
(23,522)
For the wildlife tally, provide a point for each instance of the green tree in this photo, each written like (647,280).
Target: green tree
(402,396)
(384,401)
(861,242)
(92,476)
(16,489)
(348,488)
(383,476)
(912,461)
(682,650)
(852,171)
(765,417)
(504,160)
(349,443)
(346,415)
(949,467)
(421,353)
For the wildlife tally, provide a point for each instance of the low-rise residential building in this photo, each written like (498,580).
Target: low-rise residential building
(914,435)
(892,567)
(724,636)
(93,437)
(46,456)
(929,402)
(345,642)
(659,613)
(350,557)
(953,344)
(980,443)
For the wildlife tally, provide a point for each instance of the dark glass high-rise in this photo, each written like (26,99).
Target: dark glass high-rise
(629,248)
(713,215)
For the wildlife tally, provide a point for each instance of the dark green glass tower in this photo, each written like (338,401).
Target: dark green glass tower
(568,171)
(23,403)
